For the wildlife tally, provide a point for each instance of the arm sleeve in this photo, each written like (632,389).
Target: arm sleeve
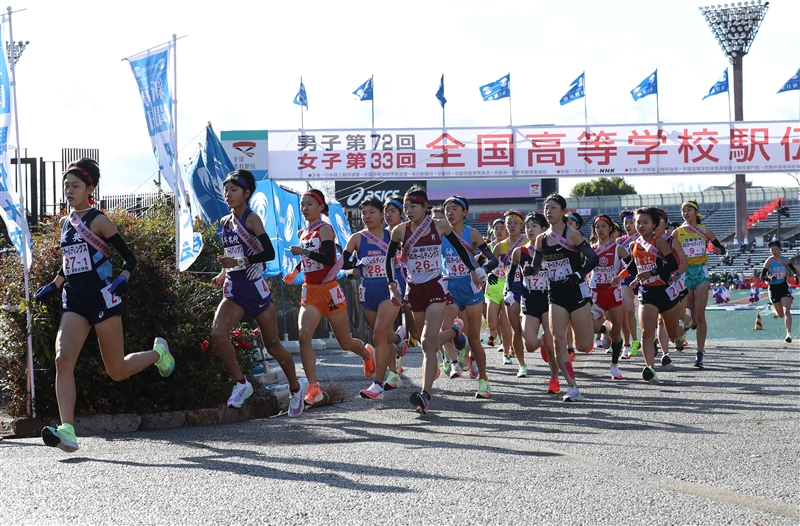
(512,272)
(389,262)
(127,256)
(328,254)
(717,244)
(666,271)
(349,262)
(536,266)
(460,250)
(492,261)
(791,267)
(630,266)
(591,259)
(268,252)
(764,273)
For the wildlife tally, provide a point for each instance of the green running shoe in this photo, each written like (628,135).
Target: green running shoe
(635,345)
(483,389)
(523,371)
(62,437)
(165,362)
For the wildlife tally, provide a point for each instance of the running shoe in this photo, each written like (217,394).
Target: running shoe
(698,361)
(788,338)
(523,371)
(165,362)
(446,366)
(649,374)
(490,341)
(598,342)
(438,373)
(571,353)
(462,356)
(313,394)
(296,404)
(626,352)
(398,365)
(573,395)
(606,341)
(544,354)
(401,347)
(506,359)
(392,381)
(421,401)
(373,392)
(369,364)
(455,371)
(474,372)
(657,347)
(62,437)
(616,374)
(635,345)
(458,327)
(680,343)
(241,392)
(483,389)
(553,387)
(666,361)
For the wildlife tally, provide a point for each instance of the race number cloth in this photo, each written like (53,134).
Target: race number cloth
(310,234)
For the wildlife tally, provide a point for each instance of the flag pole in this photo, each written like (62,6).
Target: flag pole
(585,111)
(31,404)
(510,123)
(301,106)
(176,205)
(658,116)
(730,119)
(372,85)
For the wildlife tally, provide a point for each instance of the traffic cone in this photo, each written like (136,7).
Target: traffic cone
(758,326)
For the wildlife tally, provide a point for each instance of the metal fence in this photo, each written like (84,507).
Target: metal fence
(136,204)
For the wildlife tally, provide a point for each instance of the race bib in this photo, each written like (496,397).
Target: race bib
(227,287)
(558,269)
(235,251)
(779,272)
(309,265)
(424,260)
(337,294)
(673,289)
(536,282)
(603,275)
(76,259)
(455,267)
(500,271)
(373,267)
(362,293)
(694,247)
(262,287)
(112,300)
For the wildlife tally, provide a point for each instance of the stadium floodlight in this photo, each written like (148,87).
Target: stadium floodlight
(735,26)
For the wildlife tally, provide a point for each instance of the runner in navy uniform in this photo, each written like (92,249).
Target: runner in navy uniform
(90,298)
(247,248)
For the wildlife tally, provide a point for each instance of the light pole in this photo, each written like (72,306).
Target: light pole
(735,26)
(18,48)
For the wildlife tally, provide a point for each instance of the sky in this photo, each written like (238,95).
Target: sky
(240,65)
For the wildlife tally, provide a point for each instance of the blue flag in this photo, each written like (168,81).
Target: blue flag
(791,84)
(440,93)
(207,172)
(262,202)
(646,87)
(288,222)
(576,90)
(498,89)
(720,87)
(364,91)
(301,99)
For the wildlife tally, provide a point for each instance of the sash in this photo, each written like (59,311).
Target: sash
(650,248)
(605,246)
(467,244)
(697,231)
(561,240)
(507,255)
(338,262)
(316,225)
(90,237)
(372,238)
(779,261)
(628,240)
(251,241)
(415,236)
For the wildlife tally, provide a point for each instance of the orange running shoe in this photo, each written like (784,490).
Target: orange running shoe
(369,364)
(553,387)
(544,354)
(314,394)
(571,354)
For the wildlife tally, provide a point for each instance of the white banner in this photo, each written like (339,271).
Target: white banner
(540,151)
(152,76)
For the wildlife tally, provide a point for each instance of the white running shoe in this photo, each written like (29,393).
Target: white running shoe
(373,392)
(297,400)
(241,392)
(398,347)
(616,374)
(474,372)
(606,341)
(573,395)
(598,342)
(455,371)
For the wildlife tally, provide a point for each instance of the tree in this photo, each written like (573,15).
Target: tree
(603,186)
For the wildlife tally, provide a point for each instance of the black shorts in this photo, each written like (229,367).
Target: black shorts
(778,292)
(535,304)
(569,297)
(656,295)
(89,304)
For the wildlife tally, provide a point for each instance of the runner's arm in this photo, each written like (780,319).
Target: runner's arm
(536,266)
(328,254)
(718,245)
(460,250)
(591,259)
(492,261)
(120,246)
(389,261)
(512,272)
(349,263)
(268,252)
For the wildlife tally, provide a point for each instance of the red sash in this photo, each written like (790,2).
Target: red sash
(90,237)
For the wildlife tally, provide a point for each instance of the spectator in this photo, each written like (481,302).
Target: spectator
(749,261)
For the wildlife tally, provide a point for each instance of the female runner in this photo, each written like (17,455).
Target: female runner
(322,295)
(495,314)
(775,270)
(91,299)
(629,324)
(421,239)
(247,248)
(511,298)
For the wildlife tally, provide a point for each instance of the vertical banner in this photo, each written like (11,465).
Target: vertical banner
(10,209)
(207,172)
(151,72)
(262,204)
(289,221)
(341,227)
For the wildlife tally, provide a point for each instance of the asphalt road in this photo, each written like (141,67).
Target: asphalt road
(713,446)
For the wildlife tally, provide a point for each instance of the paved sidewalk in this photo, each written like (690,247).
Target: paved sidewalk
(713,446)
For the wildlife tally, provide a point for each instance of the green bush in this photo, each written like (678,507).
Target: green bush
(161,302)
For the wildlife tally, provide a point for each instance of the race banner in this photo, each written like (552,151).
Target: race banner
(10,209)
(152,77)
(207,172)
(538,151)
(262,203)
(289,221)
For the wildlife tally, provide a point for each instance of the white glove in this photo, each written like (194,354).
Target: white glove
(481,273)
(509,298)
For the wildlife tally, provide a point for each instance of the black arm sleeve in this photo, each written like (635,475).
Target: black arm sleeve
(492,261)
(717,244)
(512,272)
(764,273)
(536,266)
(389,262)
(791,267)
(349,261)
(460,250)
(268,252)
(630,266)
(666,271)
(127,256)
(591,259)
(328,254)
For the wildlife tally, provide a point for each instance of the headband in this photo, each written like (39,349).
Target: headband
(572,216)
(628,216)
(774,243)
(498,220)
(539,220)
(514,214)
(458,201)
(603,218)
(692,204)
(84,174)
(414,198)
(238,180)
(318,199)
(394,202)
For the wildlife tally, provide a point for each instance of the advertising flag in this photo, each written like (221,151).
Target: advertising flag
(791,84)
(301,99)
(262,204)
(152,71)
(720,87)
(498,89)
(440,93)
(207,172)
(10,209)
(576,90)
(289,221)
(646,87)
(364,91)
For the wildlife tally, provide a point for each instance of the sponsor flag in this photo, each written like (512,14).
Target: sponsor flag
(10,209)
(341,228)
(440,93)
(791,84)
(720,87)
(261,203)
(646,87)
(206,175)
(576,90)
(288,222)
(152,71)
(364,91)
(301,99)
(498,89)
